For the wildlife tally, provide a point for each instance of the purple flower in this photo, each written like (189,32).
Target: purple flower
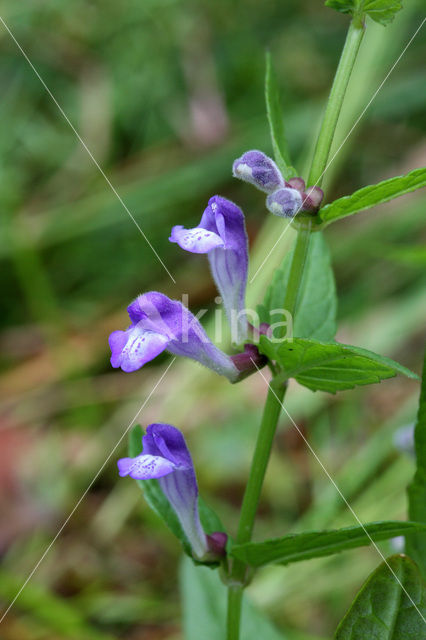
(255,167)
(222,235)
(165,457)
(285,202)
(158,323)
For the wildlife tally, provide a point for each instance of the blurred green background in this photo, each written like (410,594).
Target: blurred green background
(166,93)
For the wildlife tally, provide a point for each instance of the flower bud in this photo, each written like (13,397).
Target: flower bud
(296,183)
(216,543)
(255,167)
(249,361)
(285,202)
(312,198)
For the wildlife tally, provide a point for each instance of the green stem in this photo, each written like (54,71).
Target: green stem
(335,101)
(265,437)
(297,268)
(235,597)
(238,574)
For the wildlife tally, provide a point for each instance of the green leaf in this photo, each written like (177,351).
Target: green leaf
(416,542)
(382,610)
(204,608)
(317,301)
(372,195)
(209,518)
(329,366)
(159,503)
(276,121)
(316,544)
(382,11)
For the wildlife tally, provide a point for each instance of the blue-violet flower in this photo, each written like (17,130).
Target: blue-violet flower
(166,457)
(222,235)
(157,324)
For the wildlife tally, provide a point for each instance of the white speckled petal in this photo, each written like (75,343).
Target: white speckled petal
(197,240)
(145,467)
(135,347)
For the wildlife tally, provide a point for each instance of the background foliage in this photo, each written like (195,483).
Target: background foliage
(166,93)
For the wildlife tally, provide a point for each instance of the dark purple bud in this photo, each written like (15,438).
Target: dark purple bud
(258,169)
(296,183)
(216,543)
(249,361)
(285,202)
(312,198)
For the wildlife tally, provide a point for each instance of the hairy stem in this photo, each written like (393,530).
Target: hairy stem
(335,101)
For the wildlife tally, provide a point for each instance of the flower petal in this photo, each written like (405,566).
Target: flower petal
(196,240)
(133,348)
(117,341)
(145,467)
(164,440)
(193,342)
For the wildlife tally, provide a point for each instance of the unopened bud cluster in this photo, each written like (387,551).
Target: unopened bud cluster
(285,198)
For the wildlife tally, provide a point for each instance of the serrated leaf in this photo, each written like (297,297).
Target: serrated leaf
(317,301)
(276,121)
(373,195)
(159,503)
(316,544)
(204,608)
(344,6)
(388,608)
(416,542)
(329,367)
(382,11)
